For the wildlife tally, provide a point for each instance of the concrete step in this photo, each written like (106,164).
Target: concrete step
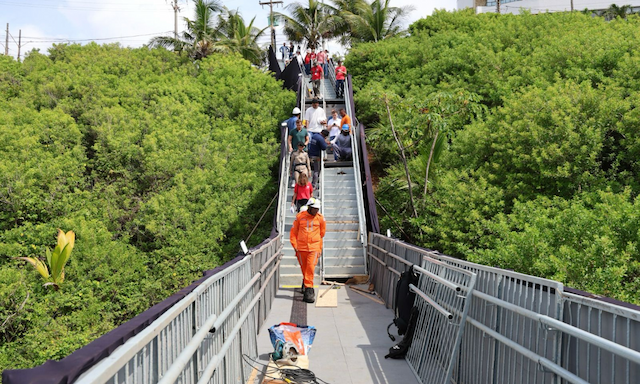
(344,252)
(294,279)
(330,261)
(289,256)
(343,270)
(334,209)
(338,243)
(340,190)
(333,202)
(330,217)
(335,227)
(331,227)
(341,235)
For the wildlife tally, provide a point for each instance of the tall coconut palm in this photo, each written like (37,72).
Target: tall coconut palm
(310,22)
(198,40)
(377,21)
(236,36)
(615,11)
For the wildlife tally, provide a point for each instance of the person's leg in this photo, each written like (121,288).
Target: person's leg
(300,203)
(309,259)
(316,172)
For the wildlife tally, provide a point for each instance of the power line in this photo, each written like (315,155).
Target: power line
(122,7)
(63,39)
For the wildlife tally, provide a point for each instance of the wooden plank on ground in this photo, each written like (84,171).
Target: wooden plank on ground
(271,374)
(327,299)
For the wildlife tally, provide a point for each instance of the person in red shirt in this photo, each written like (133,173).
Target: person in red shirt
(302,192)
(341,72)
(307,62)
(316,78)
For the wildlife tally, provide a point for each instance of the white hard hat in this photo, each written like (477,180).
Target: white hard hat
(296,111)
(314,203)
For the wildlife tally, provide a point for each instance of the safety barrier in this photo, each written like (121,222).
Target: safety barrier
(520,328)
(362,218)
(202,338)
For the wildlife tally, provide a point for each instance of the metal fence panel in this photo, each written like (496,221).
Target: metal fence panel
(158,349)
(509,338)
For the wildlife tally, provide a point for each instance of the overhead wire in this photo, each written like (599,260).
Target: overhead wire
(121,7)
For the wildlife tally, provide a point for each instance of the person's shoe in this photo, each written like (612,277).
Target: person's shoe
(309,295)
(302,286)
(293,183)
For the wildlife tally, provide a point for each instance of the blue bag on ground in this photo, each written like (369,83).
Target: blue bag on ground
(300,335)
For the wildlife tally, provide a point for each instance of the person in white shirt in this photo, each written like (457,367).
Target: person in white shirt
(333,125)
(316,117)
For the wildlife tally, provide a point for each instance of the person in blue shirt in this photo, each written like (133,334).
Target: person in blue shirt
(285,51)
(342,145)
(291,122)
(317,144)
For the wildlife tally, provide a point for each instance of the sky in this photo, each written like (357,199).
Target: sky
(132,23)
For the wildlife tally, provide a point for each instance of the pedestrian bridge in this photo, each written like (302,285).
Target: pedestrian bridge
(476,324)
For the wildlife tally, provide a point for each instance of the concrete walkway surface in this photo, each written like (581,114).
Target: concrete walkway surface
(351,340)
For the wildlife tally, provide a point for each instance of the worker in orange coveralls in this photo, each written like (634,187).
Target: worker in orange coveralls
(306,236)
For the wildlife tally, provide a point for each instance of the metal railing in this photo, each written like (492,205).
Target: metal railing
(321,195)
(520,328)
(202,338)
(362,218)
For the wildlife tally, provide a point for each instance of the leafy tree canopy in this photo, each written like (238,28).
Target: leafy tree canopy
(160,166)
(539,168)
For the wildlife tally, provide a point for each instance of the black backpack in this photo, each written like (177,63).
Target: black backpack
(399,351)
(404,302)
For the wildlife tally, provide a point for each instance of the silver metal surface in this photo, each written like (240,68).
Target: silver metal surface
(179,345)
(521,329)
(362,218)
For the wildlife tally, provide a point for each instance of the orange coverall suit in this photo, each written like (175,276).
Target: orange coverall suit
(306,238)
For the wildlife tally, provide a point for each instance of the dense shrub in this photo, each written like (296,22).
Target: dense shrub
(159,166)
(539,170)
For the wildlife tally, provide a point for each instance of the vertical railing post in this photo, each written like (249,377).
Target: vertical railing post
(496,345)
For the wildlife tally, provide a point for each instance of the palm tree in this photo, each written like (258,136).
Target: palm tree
(236,36)
(310,23)
(198,40)
(615,11)
(376,21)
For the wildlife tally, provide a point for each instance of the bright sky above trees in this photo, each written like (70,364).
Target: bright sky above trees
(130,22)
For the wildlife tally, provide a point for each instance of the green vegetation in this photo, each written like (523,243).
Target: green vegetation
(521,141)
(351,21)
(158,164)
(56,260)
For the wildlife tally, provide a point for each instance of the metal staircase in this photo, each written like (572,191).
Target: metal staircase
(340,191)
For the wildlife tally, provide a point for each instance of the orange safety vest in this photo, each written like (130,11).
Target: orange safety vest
(307,232)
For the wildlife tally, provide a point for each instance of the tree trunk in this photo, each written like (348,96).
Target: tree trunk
(426,176)
(404,159)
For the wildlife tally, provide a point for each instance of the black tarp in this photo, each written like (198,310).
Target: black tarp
(290,75)
(273,63)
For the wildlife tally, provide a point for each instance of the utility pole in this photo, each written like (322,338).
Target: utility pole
(175,19)
(6,42)
(270,3)
(19,42)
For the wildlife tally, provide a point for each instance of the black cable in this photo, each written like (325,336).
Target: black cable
(290,375)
